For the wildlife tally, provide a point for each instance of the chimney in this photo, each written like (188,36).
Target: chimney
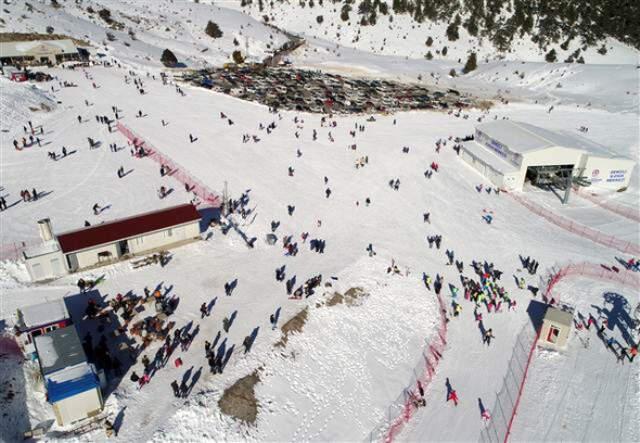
(46,232)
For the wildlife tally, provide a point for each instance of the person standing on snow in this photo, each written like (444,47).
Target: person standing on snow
(488,335)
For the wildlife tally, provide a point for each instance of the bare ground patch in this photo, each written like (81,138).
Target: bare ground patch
(293,325)
(239,400)
(351,297)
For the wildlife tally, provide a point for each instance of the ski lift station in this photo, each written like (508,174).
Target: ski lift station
(510,153)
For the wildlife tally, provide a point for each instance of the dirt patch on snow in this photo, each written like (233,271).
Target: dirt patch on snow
(351,297)
(239,400)
(294,325)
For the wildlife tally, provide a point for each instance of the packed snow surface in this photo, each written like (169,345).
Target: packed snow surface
(340,376)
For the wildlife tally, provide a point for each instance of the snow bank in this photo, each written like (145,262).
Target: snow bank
(21,102)
(334,380)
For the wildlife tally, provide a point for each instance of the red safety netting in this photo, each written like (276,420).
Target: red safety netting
(401,411)
(176,170)
(623,210)
(586,270)
(584,231)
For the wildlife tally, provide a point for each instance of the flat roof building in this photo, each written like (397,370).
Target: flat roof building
(72,384)
(37,52)
(110,241)
(509,153)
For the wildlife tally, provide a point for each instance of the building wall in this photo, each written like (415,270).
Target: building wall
(163,238)
(90,256)
(608,172)
(493,176)
(46,266)
(83,405)
(563,336)
(141,244)
(547,157)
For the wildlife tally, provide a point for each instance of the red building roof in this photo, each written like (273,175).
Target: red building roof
(127,227)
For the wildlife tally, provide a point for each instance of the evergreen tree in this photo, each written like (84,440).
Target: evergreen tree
(551,56)
(471,63)
(237,57)
(213,30)
(168,59)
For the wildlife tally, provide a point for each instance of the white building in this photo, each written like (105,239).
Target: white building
(72,384)
(111,241)
(37,52)
(35,320)
(508,153)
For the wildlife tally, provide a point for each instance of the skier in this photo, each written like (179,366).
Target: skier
(453,396)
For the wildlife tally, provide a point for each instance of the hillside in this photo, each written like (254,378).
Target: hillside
(138,31)
(451,29)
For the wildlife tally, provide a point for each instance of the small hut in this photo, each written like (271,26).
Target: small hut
(556,327)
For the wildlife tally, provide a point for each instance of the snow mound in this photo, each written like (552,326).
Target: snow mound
(334,380)
(20,103)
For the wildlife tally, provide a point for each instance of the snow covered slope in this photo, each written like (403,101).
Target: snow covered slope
(392,223)
(610,87)
(20,103)
(141,30)
(401,35)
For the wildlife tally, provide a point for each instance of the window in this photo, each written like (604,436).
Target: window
(553,334)
(169,232)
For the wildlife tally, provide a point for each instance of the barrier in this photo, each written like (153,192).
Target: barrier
(508,398)
(13,251)
(623,210)
(176,170)
(594,235)
(403,408)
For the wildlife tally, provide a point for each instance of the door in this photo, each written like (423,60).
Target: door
(123,247)
(72,261)
(38,272)
(56,267)
(554,332)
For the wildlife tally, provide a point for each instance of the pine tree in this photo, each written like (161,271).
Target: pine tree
(471,63)
(237,57)
(168,59)
(213,30)
(551,56)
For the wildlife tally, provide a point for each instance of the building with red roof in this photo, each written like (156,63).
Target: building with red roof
(110,241)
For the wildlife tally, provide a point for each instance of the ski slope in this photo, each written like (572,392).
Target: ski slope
(587,394)
(149,27)
(400,35)
(337,378)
